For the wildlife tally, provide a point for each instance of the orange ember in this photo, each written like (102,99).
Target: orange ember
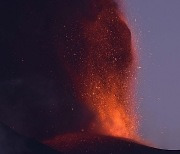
(97,52)
(106,82)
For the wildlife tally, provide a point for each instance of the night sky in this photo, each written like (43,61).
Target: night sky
(36,95)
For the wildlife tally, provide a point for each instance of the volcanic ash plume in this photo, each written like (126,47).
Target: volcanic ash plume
(96,50)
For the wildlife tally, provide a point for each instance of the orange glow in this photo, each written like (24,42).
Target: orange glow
(113,114)
(107,87)
(99,56)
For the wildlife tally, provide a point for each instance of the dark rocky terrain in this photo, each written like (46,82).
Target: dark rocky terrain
(13,143)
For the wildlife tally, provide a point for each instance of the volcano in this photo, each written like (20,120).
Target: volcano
(11,143)
(68,69)
(91,143)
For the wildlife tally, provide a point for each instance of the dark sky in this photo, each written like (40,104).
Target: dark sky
(35,91)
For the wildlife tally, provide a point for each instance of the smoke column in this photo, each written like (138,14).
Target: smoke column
(95,48)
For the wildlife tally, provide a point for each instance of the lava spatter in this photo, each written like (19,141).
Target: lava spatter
(96,49)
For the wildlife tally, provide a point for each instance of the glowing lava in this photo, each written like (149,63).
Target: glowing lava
(105,84)
(96,50)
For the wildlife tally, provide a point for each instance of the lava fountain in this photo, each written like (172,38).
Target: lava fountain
(106,83)
(96,50)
